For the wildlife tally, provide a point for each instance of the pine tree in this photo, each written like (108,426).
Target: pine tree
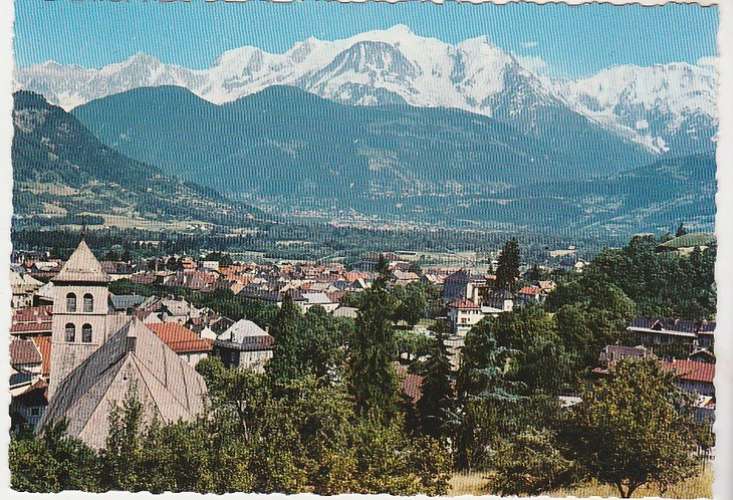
(507,270)
(681,231)
(285,365)
(382,266)
(437,391)
(371,377)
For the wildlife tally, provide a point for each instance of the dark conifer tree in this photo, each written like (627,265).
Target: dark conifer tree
(507,270)
(285,365)
(371,376)
(437,391)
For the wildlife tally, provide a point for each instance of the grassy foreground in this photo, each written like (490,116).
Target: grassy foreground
(700,486)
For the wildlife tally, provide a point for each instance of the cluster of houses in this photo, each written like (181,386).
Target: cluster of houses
(472,297)
(74,344)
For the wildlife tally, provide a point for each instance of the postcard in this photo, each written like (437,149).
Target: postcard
(366,248)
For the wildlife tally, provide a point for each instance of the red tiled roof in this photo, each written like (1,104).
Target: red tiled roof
(24,352)
(694,371)
(28,320)
(43,343)
(463,304)
(530,290)
(179,338)
(411,383)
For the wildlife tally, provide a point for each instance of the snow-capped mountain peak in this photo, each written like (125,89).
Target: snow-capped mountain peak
(662,106)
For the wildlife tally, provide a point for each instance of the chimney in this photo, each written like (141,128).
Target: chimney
(130,343)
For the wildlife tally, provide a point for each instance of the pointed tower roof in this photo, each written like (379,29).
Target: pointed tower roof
(82,267)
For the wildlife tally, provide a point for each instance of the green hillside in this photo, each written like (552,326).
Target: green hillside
(61,170)
(286,143)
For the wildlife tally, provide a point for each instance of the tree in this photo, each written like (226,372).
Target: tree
(322,338)
(437,391)
(285,364)
(52,462)
(388,461)
(507,269)
(534,274)
(681,231)
(529,464)
(382,266)
(633,428)
(540,361)
(371,377)
(591,313)
(486,397)
(412,303)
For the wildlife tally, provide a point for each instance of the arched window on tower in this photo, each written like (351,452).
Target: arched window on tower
(86,333)
(70,302)
(70,332)
(88,303)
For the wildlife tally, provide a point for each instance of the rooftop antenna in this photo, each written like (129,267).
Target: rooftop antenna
(83,227)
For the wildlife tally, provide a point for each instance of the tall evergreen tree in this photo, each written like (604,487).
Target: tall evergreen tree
(382,266)
(681,231)
(371,376)
(437,391)
(285,364)
(507,269)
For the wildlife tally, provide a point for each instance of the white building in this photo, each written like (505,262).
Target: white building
(244,345)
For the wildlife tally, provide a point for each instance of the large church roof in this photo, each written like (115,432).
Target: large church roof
(134,361)
(82,266)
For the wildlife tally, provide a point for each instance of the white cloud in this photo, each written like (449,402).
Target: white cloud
(529,44)
(709,61)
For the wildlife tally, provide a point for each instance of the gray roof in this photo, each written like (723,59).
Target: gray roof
(124,302)
(345,312)
(82,266)
(317,298)
(133,360)
(240,330)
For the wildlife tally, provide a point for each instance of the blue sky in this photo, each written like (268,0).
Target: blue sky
(573,41)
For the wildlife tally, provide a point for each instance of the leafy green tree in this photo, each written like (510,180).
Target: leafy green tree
(371,377)
(591,312)
(437,391)
(529,463)
(235,394)
(388,461)
(507,269)
(322,338)
(411,345)
(540,361)
(52,462)
(412,303)
(632,428)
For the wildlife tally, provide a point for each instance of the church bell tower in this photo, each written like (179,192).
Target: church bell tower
(80,308)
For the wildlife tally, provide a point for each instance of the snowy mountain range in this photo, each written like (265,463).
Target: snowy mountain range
(667,108)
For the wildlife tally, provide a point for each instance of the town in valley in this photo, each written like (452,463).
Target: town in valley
(427,249)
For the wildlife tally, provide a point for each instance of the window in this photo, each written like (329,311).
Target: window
(70,332)
(86,333)
(88,302)
(70,302)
